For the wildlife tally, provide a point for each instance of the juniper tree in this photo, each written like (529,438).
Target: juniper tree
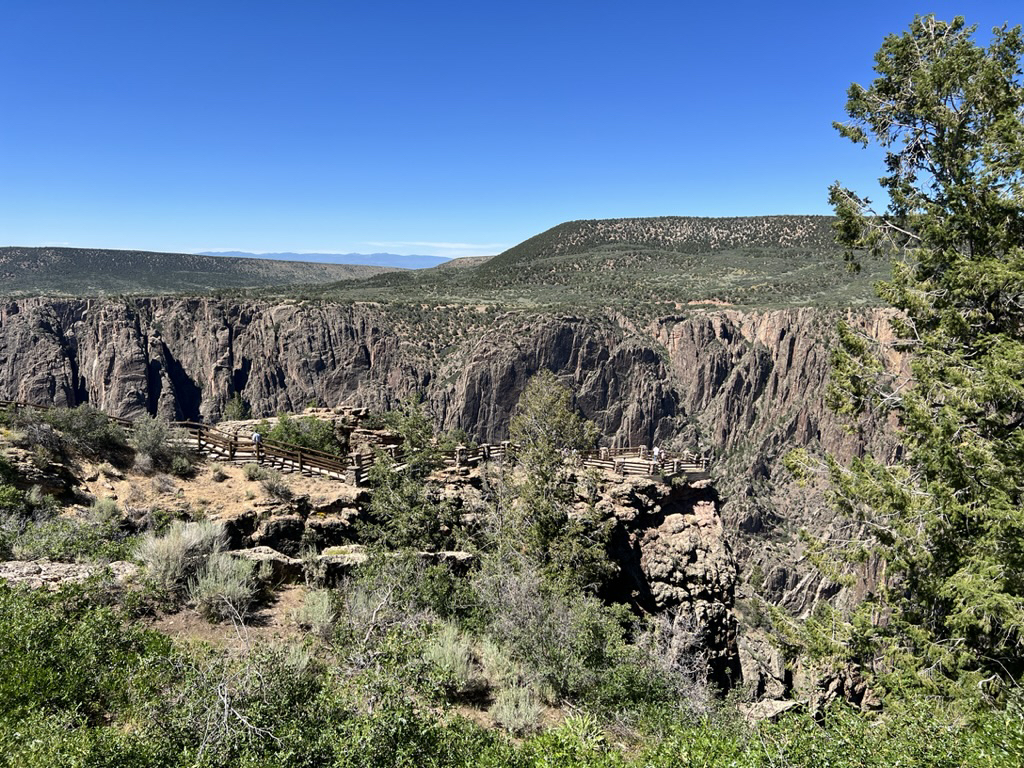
(947,516)
(547,431)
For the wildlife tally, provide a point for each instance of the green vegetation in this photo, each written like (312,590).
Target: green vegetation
(548,431)
(160,446)
(60,432)
(237,409)
(173,559)
(95,689)
(947,516)
(92,272)
(642,268)
(225,588)
(97,534)
(304,431)
(400,646)
(521,633)
(404,511)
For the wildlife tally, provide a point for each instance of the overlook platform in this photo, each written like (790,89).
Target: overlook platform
(354,468)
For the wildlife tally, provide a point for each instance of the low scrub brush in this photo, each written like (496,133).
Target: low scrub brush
(224,589)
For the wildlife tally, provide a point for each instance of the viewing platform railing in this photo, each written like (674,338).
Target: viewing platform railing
(354,469)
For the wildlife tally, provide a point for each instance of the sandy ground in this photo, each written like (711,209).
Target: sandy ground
(272,622)
(202,496)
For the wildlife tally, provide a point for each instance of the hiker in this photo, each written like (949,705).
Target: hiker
(656,453)
(257,440)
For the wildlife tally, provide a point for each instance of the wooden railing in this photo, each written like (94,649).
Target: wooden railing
(286,457)
(355,468)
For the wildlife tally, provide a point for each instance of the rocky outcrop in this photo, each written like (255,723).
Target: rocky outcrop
(675,561)
(42,574)
(185,359)
(727,378)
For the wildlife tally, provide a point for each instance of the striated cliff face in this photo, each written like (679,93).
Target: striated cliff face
(747,385)
(186,358)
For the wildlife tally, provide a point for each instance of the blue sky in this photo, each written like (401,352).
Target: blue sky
(451,128)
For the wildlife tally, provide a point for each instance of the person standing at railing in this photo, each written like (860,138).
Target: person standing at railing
(257,441)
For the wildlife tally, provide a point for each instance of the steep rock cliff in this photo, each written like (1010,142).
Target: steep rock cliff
(746,385)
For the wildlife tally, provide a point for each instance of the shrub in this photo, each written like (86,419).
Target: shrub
(68,654)
(450,653)
(181,465)
(304,431)
(318,613)
(103,510)
(393,592)
(40,505)
(224,589)
(12,501)
(402,513)
(254,472)
(98,535)
(569,644)
(47,443)
(81,431)
(275,485)
(237,409)
(217,473)
(143,464)
(516,709)
(155,438)
(499,670)
(88,431)
(158,520)
(13,511)
(164,485)
(174,558)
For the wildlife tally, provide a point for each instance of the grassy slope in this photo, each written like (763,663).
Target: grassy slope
(641,267)
(646,267)
(85,271)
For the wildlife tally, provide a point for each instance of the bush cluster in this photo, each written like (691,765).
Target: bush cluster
(32,529)
(175,557)
(224,589)
(95,689)
(64,432)
(305,431)
(160,446)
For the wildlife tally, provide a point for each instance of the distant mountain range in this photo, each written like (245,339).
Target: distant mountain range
(368,259)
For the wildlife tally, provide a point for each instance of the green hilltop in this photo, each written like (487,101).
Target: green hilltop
(645,267)
(640,267)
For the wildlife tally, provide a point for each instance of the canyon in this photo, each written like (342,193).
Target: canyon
(745,385)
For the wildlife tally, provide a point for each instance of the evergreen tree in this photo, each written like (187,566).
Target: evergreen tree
(948,516)
(547,432)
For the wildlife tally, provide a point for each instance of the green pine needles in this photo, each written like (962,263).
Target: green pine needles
(948,516)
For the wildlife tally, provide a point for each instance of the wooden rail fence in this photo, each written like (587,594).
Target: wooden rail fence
(355,468)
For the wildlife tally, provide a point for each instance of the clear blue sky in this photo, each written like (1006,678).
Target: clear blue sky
(414,126)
